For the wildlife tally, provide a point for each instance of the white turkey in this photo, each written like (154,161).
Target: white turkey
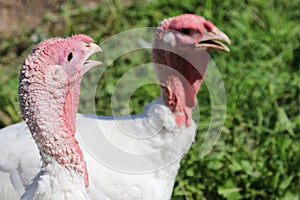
(139,155)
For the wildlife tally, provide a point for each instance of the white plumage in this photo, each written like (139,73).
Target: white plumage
(106,182)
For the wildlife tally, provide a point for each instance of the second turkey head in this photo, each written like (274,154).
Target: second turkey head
(180,55)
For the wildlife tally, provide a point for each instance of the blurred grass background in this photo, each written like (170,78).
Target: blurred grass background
(258,153)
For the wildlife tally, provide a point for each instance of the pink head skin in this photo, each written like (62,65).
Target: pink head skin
(180,56)
(49,87)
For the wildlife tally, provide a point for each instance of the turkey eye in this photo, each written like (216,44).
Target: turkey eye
(70,56)
(185,31)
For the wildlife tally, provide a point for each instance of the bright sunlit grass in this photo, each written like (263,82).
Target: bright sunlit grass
(258,153)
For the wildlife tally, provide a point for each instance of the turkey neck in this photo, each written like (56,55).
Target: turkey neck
(181,73)
(49,108)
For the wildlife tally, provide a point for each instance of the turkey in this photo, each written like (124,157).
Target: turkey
(135,157)
(49,87)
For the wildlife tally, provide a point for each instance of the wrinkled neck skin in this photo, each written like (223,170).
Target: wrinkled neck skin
(181,73)
(49,109)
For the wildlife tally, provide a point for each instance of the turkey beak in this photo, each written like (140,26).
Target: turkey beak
(211,40)
(91,49)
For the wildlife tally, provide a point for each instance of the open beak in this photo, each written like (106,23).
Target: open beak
(212,39)
(92,48)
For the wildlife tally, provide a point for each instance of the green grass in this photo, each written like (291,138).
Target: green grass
(258,153)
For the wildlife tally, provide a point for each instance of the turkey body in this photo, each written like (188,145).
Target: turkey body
(20,160)
(107,180)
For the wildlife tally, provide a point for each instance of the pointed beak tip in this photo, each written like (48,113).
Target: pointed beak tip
(227,50)
(98,49)
(224,37)
(228,41)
